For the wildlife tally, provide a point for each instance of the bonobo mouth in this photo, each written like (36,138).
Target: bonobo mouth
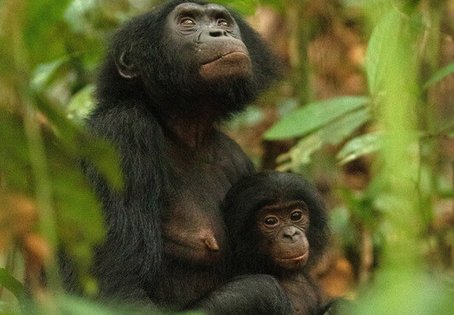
(303,258)
(234,64)
(228,55)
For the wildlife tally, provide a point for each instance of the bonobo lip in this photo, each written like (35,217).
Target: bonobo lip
(295,259)
(230,54)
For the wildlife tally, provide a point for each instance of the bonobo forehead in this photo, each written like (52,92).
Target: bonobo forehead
(278,208)
(205,17)
(207,9)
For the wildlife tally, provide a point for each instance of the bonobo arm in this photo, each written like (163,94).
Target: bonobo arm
(131,251)
(251,294)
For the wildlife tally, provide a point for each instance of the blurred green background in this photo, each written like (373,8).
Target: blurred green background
(365,110)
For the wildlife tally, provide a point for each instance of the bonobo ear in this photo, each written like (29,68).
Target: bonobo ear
(125,67)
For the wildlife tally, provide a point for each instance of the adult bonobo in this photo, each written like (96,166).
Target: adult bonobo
(170,77)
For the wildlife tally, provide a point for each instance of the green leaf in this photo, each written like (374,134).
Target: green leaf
(341,129)
(45,73)
(301,153)
(76,141)
(81,104)
(377,54)
(11,284)
(314,116)
(360,146)
(333,133)
(14,152)
(439,75)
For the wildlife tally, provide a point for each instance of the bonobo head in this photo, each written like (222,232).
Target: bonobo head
(208,36)
(276,222)
(187,57)
(282,229)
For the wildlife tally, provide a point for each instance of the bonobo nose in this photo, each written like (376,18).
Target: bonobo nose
(291,233)
(217,33)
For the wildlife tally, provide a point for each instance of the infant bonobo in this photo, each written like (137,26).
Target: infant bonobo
(277,225)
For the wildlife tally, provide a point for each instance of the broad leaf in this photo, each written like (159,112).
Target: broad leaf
(440,74)
(333,133)
(377,55)
(360,146)
(45,73)
(314,116)
(339,130)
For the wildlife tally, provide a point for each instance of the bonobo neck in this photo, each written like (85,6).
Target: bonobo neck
(192,132)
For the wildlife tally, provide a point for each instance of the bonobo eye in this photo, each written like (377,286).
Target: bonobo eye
(187,21)
(296,215)
(223,23)
(271,221)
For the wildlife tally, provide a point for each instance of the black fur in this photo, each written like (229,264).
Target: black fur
(265,188)
(161,170)
(242,205)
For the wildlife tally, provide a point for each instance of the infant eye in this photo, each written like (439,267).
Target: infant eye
(271,221)
(187,21)
(296,215)
(223,23)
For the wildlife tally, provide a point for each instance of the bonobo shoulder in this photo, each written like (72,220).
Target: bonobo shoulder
(233,153)
(145,125)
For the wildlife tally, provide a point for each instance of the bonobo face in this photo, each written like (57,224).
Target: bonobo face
(208,39)
(283,229)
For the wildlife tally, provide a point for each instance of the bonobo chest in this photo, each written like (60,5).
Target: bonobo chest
(193,228)
(305,296)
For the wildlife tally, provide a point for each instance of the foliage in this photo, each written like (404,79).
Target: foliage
(395,207)
(50,51)
(40,149)
(323,122)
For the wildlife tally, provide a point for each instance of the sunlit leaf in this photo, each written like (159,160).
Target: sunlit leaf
(44,73)
(314,116)
(360,146)
(376,55)
(339,130)
(440,75)
(81,104)
(76,14)
(302,152)
(333,133)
